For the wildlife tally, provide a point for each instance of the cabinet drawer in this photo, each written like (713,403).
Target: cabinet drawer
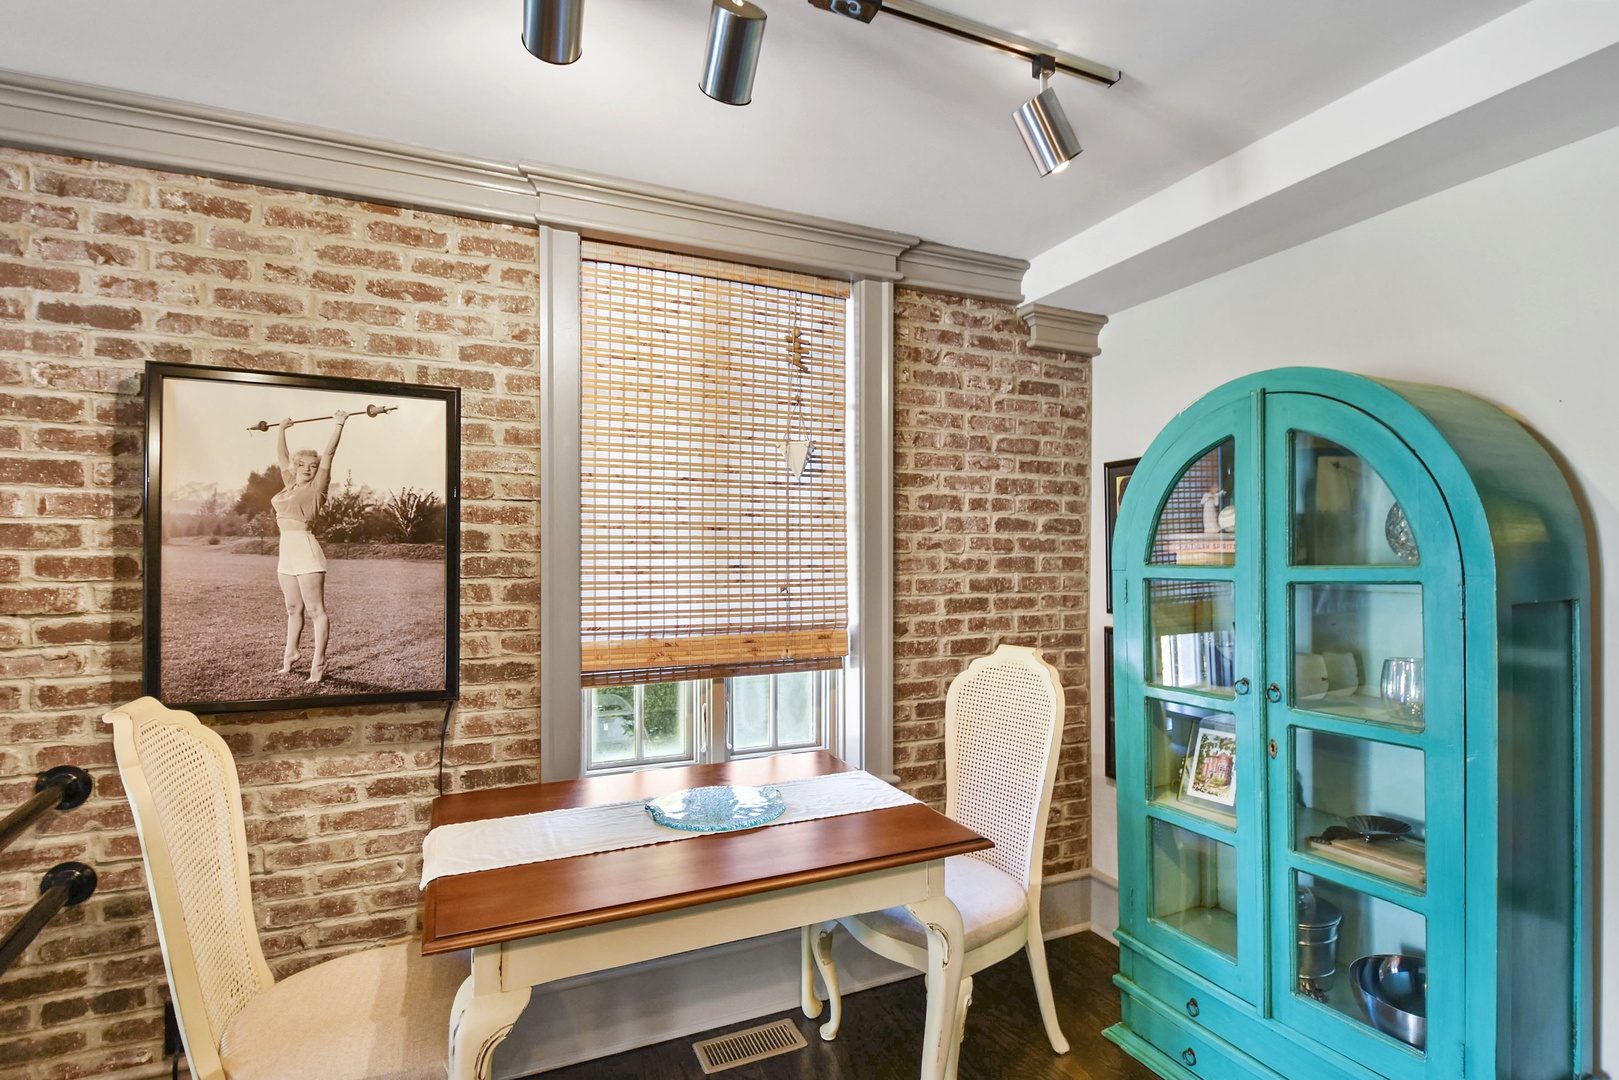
(1186,998)
(1194,1051)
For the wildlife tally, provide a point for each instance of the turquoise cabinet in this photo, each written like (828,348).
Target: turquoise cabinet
(1352,694)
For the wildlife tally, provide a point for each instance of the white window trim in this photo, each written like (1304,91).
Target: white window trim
(865,732)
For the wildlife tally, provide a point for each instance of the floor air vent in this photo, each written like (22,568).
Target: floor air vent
(749,1045)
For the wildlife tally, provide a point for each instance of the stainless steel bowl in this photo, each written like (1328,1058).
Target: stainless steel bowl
(1394,992)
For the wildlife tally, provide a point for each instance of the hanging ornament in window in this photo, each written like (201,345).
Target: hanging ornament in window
(796,451)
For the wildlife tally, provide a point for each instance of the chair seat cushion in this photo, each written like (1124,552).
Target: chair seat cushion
(991,902)
(378,1014)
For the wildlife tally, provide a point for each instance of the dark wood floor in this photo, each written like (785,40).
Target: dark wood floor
(882,1031)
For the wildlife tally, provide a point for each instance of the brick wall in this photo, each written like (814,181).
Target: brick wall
(101,268)
(992,493)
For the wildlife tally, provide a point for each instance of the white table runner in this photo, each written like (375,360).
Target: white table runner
(469,846)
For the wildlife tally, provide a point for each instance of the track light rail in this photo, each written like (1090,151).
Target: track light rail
(1001,40)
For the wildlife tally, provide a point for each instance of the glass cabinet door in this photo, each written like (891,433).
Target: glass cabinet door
(1186,617)
(1364,709)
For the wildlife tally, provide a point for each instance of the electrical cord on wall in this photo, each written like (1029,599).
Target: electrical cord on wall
(443,733)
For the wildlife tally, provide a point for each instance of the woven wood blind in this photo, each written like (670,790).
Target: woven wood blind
(701,554)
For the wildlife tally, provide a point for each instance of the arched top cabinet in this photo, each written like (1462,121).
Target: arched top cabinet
(1352,678)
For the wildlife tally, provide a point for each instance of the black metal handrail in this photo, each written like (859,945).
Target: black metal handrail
(61,788)
(63,885)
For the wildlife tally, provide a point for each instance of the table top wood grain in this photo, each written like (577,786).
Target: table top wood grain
(515,902)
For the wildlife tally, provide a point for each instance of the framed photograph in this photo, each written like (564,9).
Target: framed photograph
(1110,759)
(1210,774)
(302,540)
(1115,478)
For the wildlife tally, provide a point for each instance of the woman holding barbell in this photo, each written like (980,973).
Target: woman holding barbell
(302,566)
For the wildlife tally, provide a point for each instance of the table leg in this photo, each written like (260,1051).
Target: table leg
(478,1023)
(946,956)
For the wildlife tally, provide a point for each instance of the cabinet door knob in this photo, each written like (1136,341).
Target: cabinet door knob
(1273,692)
(1191,1007)
(1241,686)
(1188,1056)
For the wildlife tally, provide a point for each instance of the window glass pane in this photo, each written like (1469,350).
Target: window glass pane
(1357,651)
(1362,957)
(749,705)
(1361,803)
(666,719)
(1194,886)
(1343,512)
(1193,624)
(1197,525)
(798,707)
(612,725)
(1193,756)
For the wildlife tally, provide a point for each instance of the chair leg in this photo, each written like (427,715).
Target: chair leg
(807,998)
(821,949)
(963,1000)
(1042,989)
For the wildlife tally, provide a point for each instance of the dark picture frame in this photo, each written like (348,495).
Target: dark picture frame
(1110,753)
(1115,478)
(229,577)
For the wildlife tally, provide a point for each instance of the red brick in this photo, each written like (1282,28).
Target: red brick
(349,255)
(179,322)
(41,278)
(203,265)
(514,250)
(66,186)
(54,472)
(230,239)
(164,230)
(98,316)
(390,232)
(262,302)
(305,221)
(419,292)
(370,314)
(214,206)
(95,253)
(42,215)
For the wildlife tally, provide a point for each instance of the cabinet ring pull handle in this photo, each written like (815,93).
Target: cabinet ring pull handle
(1191,1007)
(1189,1057)
(1241,686)
(1273,692)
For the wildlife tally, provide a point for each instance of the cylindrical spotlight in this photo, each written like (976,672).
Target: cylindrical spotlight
(552,29)
(735,29)
(1046,132)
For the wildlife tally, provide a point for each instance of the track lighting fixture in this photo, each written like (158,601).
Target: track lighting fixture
(552,29)
(1045,129)
(735,30)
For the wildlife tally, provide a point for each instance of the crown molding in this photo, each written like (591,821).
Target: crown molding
(610,208)
(71,118)
(1061,330)
(938,268)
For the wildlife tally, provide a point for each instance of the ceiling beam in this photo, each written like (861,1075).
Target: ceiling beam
(1539,77)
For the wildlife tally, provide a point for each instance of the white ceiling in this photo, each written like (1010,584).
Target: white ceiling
(888,125)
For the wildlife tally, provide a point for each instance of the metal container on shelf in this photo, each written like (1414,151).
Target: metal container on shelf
(1318,943)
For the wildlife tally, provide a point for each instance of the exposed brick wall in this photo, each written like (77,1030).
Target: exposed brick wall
(101,268)
(991,491)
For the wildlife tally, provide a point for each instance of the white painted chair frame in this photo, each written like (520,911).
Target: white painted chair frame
(1035,676)
(207,932)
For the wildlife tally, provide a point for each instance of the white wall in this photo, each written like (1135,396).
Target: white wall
(1507,287)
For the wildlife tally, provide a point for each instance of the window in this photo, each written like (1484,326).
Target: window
(713,508)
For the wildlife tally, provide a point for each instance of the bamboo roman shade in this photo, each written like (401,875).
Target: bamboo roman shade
(701,554)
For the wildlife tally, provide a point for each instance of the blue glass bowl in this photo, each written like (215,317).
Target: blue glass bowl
(717,809)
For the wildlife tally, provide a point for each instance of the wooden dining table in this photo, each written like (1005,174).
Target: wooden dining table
(537,922)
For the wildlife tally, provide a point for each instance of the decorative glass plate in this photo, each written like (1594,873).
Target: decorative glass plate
(717,809)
